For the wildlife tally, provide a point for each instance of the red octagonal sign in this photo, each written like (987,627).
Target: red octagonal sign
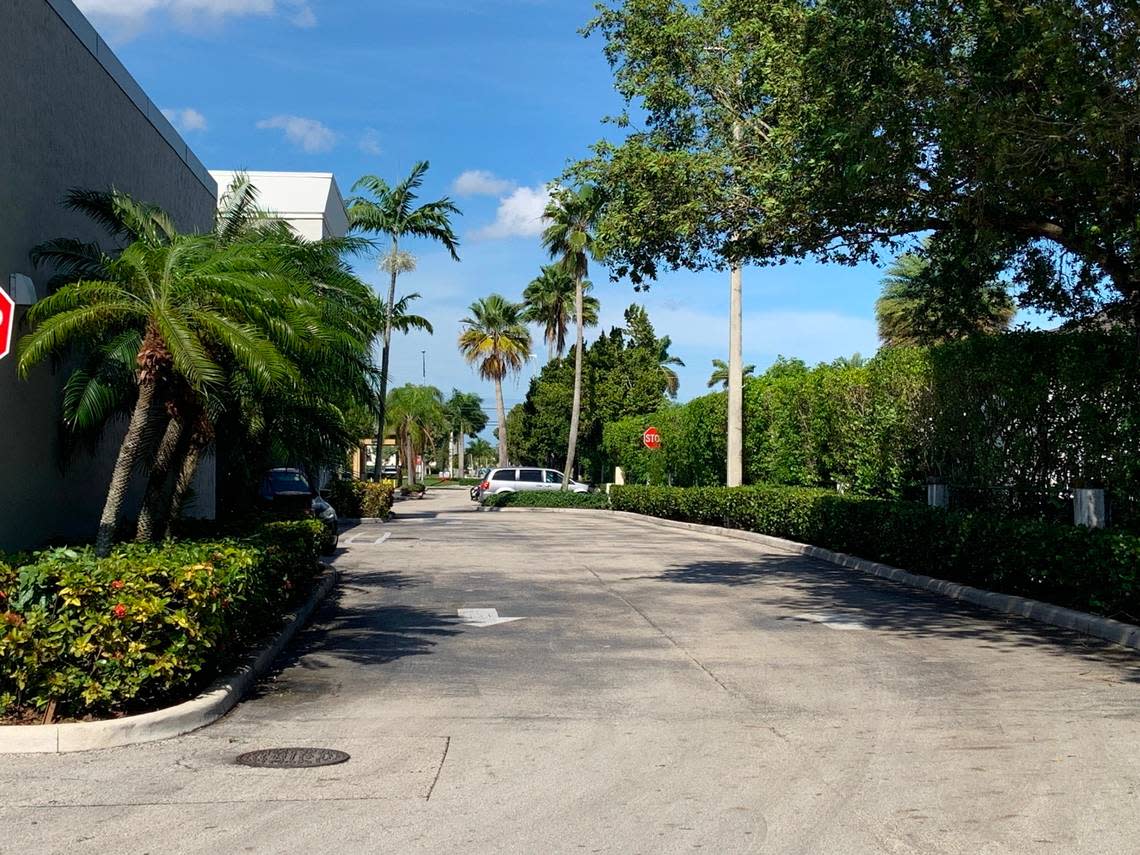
(7,321)
(651,438)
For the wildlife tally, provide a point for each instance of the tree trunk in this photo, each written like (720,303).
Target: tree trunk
(410,454)
(186,473)
(150,519)
(461,450)
(734,475)
(124,465)
(502,422)
(382,403)
(576,408)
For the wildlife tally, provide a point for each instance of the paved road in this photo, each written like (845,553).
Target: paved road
(664,692)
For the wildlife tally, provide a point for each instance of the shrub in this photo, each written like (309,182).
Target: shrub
(547,499)
(1087,569)
(361,499)
(146,624)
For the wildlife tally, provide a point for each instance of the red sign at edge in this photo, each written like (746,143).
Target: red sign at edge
(7,321)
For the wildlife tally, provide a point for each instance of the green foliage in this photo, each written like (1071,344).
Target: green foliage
(547,499)
(1006,126)
(622,374)
(1088,569)
(361,499)
(148,624)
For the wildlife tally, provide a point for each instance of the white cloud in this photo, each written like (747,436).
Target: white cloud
(519,214)
(186,119)
(480,182)
(370,142)
(127,18)
(308,134)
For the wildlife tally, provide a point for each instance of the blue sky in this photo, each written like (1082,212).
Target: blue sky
(499,96)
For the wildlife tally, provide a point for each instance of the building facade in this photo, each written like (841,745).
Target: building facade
(72,117)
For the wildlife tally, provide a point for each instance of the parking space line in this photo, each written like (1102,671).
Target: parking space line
(383,537)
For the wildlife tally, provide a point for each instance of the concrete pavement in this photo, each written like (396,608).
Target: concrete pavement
(665,692)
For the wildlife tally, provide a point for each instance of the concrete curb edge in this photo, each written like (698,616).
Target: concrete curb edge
(183,718)
(1107,629)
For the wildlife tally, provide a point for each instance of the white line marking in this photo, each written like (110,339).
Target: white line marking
(383,537)
(484,617)
(831,621)
(352,539)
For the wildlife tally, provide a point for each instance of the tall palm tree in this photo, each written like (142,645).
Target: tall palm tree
(417,412)
(480,451)
(188,303)
(914,308)
(496,341)
(549,301)
(573,217)
(465,411)
(719,376)
(665,362)
(391,211)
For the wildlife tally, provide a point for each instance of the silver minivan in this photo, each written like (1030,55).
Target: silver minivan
(519,479)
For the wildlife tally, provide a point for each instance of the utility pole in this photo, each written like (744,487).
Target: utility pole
(423,353)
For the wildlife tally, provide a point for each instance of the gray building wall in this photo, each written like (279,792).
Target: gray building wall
(70,116)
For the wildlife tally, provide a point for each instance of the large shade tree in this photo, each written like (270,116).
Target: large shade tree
(572,216)
(392,211)
(496,342)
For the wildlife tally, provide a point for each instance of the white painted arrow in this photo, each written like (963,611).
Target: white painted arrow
(484,617)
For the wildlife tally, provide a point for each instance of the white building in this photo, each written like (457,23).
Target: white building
(310,202)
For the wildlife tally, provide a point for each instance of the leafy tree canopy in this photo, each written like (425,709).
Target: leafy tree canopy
(834,129)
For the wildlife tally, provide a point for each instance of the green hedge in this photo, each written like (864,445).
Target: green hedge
(1090,570)
(361,499)
(547,499)
(147,625)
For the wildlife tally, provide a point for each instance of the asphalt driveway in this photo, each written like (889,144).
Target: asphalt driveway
(661,691)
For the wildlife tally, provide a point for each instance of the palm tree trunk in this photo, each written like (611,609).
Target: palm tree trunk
(186,473)
(502,422)
(576,408)
(382,403)
(460,450)
(410,454)
(124,464)
(734,476)
(150,519)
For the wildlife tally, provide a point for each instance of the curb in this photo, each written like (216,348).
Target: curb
(343,521)
(203,710)
(1107,629)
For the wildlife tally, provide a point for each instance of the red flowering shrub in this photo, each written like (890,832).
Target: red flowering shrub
(149,624)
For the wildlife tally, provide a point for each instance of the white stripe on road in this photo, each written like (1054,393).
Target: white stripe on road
(831,621)
(383,537)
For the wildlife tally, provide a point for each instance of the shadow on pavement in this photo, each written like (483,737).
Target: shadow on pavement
(806,585)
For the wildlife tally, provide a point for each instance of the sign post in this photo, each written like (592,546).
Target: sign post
(7,321)
(651,438)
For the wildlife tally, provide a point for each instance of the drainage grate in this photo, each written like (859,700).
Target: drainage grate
(292,758)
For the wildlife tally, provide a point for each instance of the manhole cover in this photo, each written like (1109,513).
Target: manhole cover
(292,758)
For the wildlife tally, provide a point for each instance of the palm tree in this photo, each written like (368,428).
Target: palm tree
(496,341)
(189,305)
(465,411)
(418,415)
(391,211)
(665,362)
(573,216)
(916,309)
(480,451)
(549,301)
(719,377)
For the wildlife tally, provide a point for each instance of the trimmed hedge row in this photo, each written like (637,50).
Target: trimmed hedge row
(547,499)
(1090,570)
(147,625)
(357,499)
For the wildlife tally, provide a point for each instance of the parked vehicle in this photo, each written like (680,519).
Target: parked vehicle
(288,491)
(520,479)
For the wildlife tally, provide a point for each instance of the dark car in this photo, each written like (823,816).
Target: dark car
(288,491)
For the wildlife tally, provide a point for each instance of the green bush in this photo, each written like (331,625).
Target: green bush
(148,623)
(547,499)
(361,499)
(1087,569)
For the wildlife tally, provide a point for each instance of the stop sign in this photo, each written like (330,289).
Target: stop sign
(651,438)
(7,321)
